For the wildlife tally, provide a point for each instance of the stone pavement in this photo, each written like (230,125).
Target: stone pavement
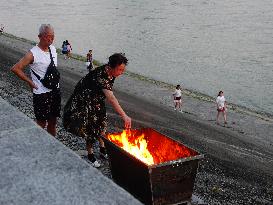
(35,168)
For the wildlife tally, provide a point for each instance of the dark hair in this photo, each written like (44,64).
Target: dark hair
(117,59)
(177,87)
(90,50)
(220,92)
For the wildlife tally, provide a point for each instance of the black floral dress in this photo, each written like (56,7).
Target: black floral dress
(85,111)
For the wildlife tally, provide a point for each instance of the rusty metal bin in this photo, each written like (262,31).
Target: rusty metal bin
(169,180)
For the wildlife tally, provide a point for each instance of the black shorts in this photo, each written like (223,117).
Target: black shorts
(177,98)
(47,105)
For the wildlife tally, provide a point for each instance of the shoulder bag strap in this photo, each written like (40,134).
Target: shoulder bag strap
(37,76)
(51,56)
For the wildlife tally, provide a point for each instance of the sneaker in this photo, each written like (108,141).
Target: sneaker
(103,153)
(181,111)
(93,160)
(96,164)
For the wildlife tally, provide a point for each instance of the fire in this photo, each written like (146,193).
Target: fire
(135,145)
(150,147)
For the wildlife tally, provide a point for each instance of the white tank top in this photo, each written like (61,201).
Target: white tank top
(177,93)
(39,66)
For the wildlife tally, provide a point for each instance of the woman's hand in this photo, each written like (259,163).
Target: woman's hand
(127,122)
(114,102)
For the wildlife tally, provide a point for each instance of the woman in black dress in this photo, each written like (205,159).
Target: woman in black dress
(85,111)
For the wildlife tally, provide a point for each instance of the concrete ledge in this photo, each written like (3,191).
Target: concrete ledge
(35,168)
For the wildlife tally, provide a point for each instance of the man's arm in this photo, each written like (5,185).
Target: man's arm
(114,102)
(18,69)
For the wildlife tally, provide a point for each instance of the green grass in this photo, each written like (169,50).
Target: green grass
(79,57)
(20,39)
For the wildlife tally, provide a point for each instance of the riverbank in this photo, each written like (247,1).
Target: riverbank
(238,158)
(170,87)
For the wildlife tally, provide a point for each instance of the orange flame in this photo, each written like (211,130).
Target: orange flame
(135,145)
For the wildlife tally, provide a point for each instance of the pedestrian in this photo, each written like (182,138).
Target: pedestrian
(2,28)
(89,60)
(69,49)
(221,107)
(177,98)
(64,49)
(46,102)
(85,111)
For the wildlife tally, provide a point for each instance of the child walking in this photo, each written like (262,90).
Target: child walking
(177,98)
(89,60)
(221,107)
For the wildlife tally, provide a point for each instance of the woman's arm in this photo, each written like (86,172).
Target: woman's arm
(174,94)
(217,103)
(18,69)
(114,102)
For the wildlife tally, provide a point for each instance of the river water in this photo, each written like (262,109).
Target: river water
(204,45)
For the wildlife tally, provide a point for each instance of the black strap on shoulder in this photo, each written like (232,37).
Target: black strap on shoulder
(51,55)
(51,58)
(37,76)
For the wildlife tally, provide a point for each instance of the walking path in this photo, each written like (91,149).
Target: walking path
(35,168)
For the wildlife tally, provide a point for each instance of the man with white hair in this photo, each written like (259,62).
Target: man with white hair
(46,102)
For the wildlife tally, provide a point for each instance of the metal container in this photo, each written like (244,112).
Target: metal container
(167,181)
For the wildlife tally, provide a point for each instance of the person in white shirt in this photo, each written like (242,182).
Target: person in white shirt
(177,98)
(221,107)
(46,102)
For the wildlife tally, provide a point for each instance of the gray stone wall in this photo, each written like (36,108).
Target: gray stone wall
(35,168)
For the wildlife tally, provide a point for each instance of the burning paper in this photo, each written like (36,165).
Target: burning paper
(135,145)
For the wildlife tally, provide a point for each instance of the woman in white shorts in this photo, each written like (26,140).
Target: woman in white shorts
(177,98)
(221,107)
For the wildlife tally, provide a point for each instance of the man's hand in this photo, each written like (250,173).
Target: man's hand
(32,85)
